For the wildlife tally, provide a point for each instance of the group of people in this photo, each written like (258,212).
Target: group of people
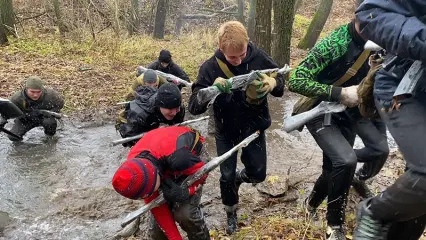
(334,70)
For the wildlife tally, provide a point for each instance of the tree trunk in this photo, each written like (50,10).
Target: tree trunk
(3,36)
(160,18)
(251,24)
(262,36)
(134,17)
(297,5)
(241,11)
(283,25)
(8,16)
(317,24)
(58,13)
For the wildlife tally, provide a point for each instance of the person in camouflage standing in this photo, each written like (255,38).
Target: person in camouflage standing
(331,72)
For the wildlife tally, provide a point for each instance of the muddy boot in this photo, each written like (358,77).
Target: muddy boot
(232,220)
(335,233)
(361,187)
(367,227)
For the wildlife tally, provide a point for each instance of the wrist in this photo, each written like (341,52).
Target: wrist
(335,94)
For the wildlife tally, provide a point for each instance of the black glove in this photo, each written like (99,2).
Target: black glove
(172,192)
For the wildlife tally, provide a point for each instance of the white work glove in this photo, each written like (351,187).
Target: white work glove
(349,96)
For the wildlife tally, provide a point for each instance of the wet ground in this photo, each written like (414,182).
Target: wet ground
(61,188)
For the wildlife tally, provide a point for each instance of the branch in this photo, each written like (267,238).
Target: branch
(207,16)
(32,17)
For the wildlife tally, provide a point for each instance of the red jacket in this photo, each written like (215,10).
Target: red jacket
(174,150)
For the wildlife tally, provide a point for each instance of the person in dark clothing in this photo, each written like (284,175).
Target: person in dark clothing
(33,98)
(151,108)
(165,64)
(331,72)
(237,113)
(161,160)
(399,212)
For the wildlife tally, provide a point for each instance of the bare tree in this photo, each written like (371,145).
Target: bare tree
(262,36)
(251,24)
(8,16)
(316,25)
(283,25)
(241,11)
(58,14)
(160,18)
(3,36)
(134,17)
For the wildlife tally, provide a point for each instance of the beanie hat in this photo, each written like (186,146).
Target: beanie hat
(149,76)
(135,178)
(165,56)
(168,96)
(34,82)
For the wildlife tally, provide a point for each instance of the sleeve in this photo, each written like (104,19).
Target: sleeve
(303,79)
(278,91)
(203,81)
(164,218)
(154,65)
(391,25)
(58,103)
(17,100)
(179,72)
(132,90)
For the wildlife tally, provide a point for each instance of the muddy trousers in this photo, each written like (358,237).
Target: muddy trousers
(190,218)
(404,202)
(23,125)
(339,163)
(376,150)
(254,159)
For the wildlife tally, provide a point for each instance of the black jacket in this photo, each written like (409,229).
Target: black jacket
(400,28)
(142,115)
(172,68)
(235,118)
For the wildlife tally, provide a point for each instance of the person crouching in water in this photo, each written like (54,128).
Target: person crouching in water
(160,161)
(33,98)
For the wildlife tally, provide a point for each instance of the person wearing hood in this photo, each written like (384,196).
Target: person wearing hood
(165,64)
(33,98)
(151,108)
(238,113)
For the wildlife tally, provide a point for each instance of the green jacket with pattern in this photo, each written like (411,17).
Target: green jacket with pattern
(327,62)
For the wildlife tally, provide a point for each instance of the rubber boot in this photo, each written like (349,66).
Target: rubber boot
(232,220)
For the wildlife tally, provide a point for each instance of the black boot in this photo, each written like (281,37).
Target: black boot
(335,233)
(231,215)
(361,187)
(367,227)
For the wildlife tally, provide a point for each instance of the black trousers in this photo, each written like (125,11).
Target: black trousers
(404,202)
(376,150)
(23,125)
(254,159)
(190,218)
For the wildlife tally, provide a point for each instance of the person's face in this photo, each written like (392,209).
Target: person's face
(34,94)
(235,57)
(169,114)
(164,64)
(154,85)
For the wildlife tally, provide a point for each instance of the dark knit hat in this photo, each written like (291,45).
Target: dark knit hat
(135,179)
(168,96)
(34,82)
(165,56)
(149,76)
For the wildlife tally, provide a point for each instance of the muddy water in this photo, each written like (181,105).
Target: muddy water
(61,188)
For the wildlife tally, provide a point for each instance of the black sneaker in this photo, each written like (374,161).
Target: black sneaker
(335,233)
(232,222)
(361,188)
(367,227)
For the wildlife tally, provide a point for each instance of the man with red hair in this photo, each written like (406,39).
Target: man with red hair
(161,160)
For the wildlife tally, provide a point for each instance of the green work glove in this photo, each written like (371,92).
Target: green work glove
(253,96)
(224,85)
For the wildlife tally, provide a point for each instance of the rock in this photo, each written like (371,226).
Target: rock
(274,186)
